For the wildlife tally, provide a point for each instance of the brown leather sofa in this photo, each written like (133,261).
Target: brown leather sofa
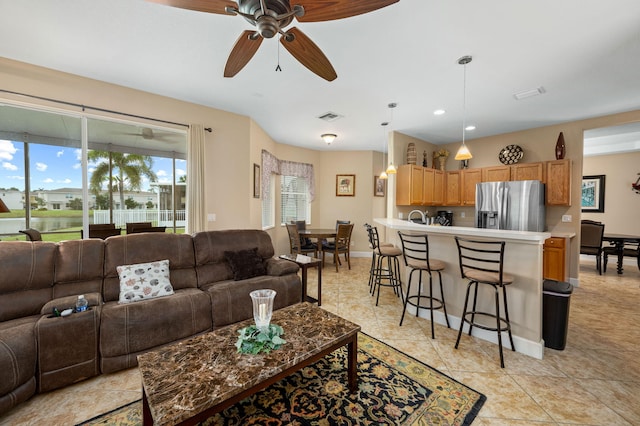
(40,352)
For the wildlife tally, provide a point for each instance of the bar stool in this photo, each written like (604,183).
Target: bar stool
(390,274)
(373,244)
(481,262)
(415,251)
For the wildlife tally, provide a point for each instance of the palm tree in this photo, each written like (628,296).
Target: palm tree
(127,172)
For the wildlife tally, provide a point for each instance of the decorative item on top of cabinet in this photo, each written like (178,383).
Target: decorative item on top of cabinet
(558,183)
(560,147)
(424,159)
(510,154)
(441,155)
(411,153)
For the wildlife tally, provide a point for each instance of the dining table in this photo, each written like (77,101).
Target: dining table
(619,240)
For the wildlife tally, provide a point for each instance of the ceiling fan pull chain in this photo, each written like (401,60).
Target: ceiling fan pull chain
(278,66)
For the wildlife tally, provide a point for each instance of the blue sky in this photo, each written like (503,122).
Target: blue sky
(55,167)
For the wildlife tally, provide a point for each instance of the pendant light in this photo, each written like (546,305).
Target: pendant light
(463,152)
(391,170)
(383,174)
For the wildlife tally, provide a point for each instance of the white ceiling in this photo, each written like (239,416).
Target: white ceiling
(585,53)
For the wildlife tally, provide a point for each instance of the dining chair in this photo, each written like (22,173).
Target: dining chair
(32,234)
(629,250)
(131,226)
(341,244)
(295,243)
(591,233)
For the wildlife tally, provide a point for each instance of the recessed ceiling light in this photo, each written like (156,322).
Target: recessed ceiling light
(529,93)
(469,128)
(439,112)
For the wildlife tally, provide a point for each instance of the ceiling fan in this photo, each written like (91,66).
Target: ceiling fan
(148,134)
(270,17)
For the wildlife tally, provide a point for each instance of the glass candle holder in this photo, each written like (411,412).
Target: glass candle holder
(262,306)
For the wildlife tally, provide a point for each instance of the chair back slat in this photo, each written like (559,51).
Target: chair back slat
(485,256)
(415,247)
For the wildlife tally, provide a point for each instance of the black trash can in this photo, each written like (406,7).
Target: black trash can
(556,296)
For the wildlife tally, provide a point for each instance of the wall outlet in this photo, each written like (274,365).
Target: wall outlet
(462,214)
(400,215)
(211,217)
(566,218)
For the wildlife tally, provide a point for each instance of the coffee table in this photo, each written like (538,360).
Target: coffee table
(189,381)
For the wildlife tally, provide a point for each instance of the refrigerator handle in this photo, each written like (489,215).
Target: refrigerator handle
(504,207)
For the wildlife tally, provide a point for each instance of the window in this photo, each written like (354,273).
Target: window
(294,201)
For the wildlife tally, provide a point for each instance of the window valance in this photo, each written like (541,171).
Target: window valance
(271,165)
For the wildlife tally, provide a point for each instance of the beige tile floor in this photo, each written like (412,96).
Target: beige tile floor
(594,381)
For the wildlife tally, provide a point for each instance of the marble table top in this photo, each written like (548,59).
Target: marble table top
(186,378)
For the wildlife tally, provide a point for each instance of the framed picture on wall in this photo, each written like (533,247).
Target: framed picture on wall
(345,185)
(256,181)
(379,186)
(592,199)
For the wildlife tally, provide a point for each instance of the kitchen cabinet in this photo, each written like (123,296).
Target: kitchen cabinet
(433,187)
(409,185)
(452,190)
(559,183)
(528,171)
(554,259)
(469,179)
(496,174)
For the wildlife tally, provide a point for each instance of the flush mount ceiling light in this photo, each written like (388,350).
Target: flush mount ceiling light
(529,93)
(328,137)
(463,152)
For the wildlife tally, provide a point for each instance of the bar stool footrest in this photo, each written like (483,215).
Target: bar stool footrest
(506,326)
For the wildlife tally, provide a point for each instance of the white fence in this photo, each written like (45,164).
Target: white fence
(156,217)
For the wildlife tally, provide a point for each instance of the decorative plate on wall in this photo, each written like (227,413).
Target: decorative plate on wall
(510,154)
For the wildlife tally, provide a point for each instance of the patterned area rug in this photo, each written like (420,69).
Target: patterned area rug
(394,389)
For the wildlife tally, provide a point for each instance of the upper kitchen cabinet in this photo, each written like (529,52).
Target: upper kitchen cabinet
(528,171)
(452,190)
(409,185)
(559,183)
(496,174)
(470,177)
(433,187)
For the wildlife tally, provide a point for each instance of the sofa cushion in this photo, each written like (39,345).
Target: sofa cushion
(245,263)
(18,361)
(142,281)
(26,278)
(142,248)
(79,267)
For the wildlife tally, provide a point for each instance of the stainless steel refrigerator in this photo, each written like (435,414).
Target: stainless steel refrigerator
(515,205)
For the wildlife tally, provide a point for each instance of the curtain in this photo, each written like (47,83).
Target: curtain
(271,165)
(196,209)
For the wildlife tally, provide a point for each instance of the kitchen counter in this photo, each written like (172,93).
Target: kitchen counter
(523,260)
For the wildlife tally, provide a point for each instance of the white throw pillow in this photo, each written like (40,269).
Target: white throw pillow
(144,281)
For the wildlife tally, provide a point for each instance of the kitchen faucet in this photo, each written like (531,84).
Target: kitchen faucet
(423,216)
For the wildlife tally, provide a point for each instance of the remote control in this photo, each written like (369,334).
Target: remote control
(66,312)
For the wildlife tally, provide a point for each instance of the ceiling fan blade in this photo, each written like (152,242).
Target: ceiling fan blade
(328,10)
(308,54)
(210,6)
(242,53)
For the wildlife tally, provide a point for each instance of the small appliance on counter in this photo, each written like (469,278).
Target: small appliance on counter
(444,218)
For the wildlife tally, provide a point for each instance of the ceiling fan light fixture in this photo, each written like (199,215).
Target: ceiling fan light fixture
(328,137)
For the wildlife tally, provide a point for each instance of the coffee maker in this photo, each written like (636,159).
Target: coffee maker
(444,217)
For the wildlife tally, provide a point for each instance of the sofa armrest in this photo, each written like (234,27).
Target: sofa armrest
(280,267)
(62,303)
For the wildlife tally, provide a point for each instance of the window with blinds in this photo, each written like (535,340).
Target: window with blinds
(294,199)
(268,206)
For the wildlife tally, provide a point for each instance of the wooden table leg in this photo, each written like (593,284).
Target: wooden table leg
(620,253)
(319,285)
(304,283)
(352,363)
(147,420)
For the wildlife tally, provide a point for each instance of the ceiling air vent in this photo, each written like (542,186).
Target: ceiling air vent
(329,116)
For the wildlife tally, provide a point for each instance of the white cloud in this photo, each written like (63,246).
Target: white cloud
(161,173)
(78,153)
(16,177)
(164,181)
(67,180)
(60,153)
(77,166)
(180,172)
(48,180)
(9,166)
(41,167)
(7,150)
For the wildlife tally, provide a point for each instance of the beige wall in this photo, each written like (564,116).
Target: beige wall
(622,204)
